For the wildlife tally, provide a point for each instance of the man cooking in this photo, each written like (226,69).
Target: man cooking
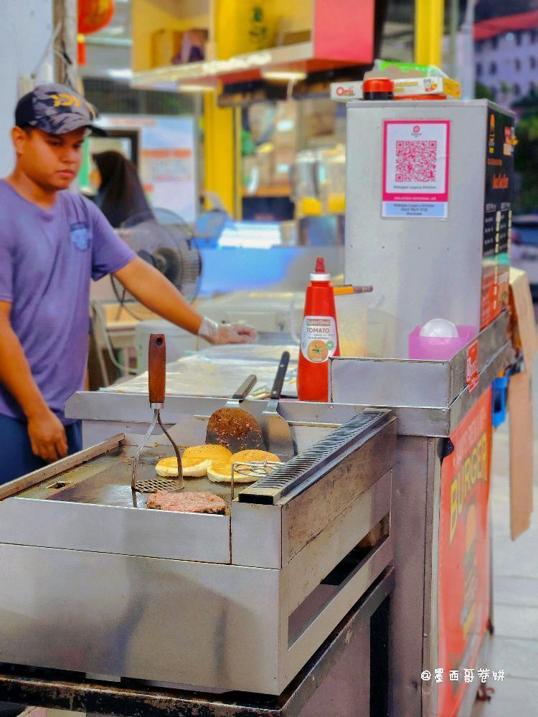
(52,242)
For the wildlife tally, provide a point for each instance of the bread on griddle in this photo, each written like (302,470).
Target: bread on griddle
(221,471)
(195,460)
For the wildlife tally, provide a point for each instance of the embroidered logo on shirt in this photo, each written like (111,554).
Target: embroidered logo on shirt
(80,235)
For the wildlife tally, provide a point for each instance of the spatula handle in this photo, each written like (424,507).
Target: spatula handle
(157,368)
(280,375)
(245,388)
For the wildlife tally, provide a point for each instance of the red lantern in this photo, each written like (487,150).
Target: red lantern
(94,15)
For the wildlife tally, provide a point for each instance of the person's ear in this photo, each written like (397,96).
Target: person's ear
(20,138)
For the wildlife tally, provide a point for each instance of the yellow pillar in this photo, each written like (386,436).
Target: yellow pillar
(429,25)
(221,154)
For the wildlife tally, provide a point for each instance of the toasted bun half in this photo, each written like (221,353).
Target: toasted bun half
(255,456)
(195,460)
(192,468)
(222,473)
(209,451)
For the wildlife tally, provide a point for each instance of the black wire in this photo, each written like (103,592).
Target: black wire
(121,300)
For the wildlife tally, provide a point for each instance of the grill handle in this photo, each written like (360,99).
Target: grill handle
(280,375)
(156,369)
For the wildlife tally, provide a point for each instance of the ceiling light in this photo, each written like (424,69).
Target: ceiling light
(193,87)
(283,75)
(120,73)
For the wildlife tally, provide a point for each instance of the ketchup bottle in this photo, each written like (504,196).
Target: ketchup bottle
(319,337)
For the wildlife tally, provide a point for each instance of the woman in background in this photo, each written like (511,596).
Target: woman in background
(120,195)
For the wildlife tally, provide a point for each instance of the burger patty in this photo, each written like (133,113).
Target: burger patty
(187,502)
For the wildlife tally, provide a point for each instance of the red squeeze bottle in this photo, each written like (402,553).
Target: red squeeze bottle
(319,337)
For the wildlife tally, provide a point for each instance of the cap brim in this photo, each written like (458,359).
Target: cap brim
(97,131)
(92,129)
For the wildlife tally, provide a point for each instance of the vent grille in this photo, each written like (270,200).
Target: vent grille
(307,466)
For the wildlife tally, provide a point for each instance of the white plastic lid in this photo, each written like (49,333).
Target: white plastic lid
(440,329)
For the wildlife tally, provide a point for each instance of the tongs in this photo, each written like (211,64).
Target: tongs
(156,390)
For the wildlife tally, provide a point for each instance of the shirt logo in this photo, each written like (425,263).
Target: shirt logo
(80,235)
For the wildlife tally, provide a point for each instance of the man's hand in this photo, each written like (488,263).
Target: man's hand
(47,436)
(155,291)
(226,333)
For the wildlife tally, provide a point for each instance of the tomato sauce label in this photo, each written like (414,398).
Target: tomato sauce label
(319,339)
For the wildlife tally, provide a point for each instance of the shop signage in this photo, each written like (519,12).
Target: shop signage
(472,372)
(346,91)
(464,587)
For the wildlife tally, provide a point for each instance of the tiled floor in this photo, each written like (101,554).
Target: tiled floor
(515,595)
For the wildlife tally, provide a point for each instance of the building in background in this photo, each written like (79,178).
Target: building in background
(506,56)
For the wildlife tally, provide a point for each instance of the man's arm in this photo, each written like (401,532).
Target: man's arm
(159,295)
(46,432)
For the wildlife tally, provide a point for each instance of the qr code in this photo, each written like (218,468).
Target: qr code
(416,161)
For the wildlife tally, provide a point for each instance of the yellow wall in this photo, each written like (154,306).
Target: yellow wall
(232,18)
(221,161)
(149,16)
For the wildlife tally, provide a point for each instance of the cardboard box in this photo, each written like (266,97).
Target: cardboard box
(520,405)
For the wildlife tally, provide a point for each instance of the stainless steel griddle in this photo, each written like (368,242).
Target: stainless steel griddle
(92,583)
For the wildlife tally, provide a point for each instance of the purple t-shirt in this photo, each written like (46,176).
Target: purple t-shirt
(46,260)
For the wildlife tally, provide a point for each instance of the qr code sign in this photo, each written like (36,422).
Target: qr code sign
(416,160)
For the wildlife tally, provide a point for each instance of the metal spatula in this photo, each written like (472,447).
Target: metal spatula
(156,390)
(276,430)
(234,427)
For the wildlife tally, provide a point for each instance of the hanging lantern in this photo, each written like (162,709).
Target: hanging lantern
(81,49)
(94,15)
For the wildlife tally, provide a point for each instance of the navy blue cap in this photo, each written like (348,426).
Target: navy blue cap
(55,109)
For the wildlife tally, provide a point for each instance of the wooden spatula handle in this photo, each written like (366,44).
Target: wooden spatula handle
(157,368)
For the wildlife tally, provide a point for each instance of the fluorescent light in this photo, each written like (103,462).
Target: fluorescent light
(120,73)
(283,75)
(193,87)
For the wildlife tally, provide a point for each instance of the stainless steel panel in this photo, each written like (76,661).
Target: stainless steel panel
(314,562)
(256,535)
(309,513)
(346,689)
(420,268)
(110,529)
(407,383)
(430,630)
(184,623)
(408,523)
(305,646)
(390,382)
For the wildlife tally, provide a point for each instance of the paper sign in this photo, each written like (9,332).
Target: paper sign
(472,373)
(415,168)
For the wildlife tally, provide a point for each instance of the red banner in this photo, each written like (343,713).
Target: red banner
(464,587)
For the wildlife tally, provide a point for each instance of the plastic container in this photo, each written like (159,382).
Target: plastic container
(378,88)
(319,337)
(439,348)
(352,321)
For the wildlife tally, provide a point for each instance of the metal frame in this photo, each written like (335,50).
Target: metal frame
(69,691)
